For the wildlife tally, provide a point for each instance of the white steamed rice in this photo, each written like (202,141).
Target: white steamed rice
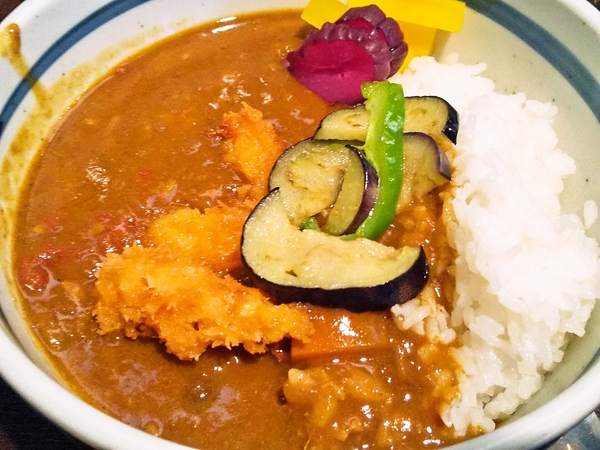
(527,276)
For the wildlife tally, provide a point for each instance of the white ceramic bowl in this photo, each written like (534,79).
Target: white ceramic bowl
(548,49)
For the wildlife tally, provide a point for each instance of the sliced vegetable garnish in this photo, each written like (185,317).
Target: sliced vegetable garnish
(296,243)
(316,176)
(314,267)
(383,148)
(362,45)
(317,12)
(419,20)
(427,114)
(310,175)
(447,15)
(444,15)
(426,166)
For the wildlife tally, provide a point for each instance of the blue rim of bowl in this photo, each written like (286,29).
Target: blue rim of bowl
(61,46)
(546,45)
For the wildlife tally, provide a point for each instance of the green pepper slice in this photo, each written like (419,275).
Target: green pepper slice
(384,150)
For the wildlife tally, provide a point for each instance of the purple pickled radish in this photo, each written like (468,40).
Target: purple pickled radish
(371,13)
(363,45)
(334,70)
(386,26)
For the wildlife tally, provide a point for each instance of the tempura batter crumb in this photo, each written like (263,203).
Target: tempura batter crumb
(150,291)
(178,288)
(252,144)
(211,238)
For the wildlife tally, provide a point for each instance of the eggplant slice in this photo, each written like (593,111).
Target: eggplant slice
(310,176)
(356,198)
(323,188)
(316,176)
(426,166)
(349,124)
(309,266)
(427,114)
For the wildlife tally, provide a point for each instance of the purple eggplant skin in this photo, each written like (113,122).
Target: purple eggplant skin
(356,299)
(338,221)
(443,165)
(451,128)
(432,115)
(426,166)
(371,187)
(440,170)
(313,267)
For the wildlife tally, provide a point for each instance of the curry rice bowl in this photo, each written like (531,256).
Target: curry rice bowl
(527,276)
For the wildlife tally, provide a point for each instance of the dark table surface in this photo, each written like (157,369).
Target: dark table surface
(21,427)
(7,6)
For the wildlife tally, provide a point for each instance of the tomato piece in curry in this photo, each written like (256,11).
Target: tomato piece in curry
(148,142)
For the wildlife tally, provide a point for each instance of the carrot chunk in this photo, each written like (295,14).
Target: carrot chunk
(338,332)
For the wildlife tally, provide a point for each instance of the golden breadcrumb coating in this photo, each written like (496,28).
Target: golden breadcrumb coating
(176,287)
(253,145)
(149,291)
(211,238)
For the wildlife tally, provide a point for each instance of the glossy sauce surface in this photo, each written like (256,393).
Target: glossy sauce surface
(144,142)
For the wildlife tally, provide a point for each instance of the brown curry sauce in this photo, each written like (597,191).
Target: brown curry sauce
(143,142)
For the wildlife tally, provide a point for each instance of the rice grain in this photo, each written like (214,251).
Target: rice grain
(527,276)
